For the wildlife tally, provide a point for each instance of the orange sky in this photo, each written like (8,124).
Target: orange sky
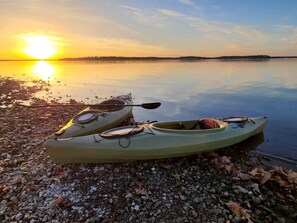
(147,28)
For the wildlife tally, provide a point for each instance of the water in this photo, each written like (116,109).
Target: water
(187,90)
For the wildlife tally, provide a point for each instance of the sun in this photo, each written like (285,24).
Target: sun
(40,47)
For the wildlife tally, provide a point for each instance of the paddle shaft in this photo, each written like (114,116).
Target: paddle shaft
(153,105)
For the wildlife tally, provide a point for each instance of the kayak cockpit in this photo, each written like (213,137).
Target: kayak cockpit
(205,124)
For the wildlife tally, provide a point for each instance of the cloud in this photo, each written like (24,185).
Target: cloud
(147,17)
(186,2)
(62,12)
(208,26)
(198,30)
(170,12)
(232,30)
(226,29)
(129,7)
(250,32)
(118,47)
(288,34)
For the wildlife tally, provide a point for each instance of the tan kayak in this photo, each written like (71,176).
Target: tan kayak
(154,141)
(98,118)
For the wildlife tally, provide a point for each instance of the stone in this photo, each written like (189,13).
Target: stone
(182,197)
(19,216)
(257,200)
(194,214)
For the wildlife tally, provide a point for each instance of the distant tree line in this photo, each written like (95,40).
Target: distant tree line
(184,58)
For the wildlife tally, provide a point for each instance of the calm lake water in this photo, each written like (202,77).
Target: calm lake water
(187,90)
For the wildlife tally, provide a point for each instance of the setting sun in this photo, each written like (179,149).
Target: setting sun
(40,47)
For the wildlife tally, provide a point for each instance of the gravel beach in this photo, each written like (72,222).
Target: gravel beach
(232,185)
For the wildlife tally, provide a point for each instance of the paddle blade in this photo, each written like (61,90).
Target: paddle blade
(151,105)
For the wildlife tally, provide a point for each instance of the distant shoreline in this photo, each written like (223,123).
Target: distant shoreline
(182,58)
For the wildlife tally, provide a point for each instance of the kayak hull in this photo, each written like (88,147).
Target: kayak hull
(154,142)
(99,119)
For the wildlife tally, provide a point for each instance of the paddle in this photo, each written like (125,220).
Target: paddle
(152,105)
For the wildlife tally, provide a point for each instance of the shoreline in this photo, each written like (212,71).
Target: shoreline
(225,186)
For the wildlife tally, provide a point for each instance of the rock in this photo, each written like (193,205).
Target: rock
(149,204)
(72,101)
(168,205)
(183,198)
(215,211)
(157,204)
(185,207)
(197,200)
(129,195)
(78,209)
(212,190)
(91,220)
(242,189)
(14,199)
(136,208)
(281,220)
(93,189)
(19,216)
(283,209)
(257,200)
(221,220)
(194,214)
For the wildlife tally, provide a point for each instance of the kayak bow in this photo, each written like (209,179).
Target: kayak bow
(95,120)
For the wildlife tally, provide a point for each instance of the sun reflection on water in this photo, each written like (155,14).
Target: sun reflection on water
(44,70)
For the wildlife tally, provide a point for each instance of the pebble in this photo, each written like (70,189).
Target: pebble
(136,208)
(198,200)
(194,214)
(182,197)
(129,195)
(213,190)
(257,200)
(281,220)
(19,216)
(221,220)
(226,194)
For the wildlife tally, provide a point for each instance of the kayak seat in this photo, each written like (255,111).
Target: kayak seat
(208,123)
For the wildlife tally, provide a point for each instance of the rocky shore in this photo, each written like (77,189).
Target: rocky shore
(232,185)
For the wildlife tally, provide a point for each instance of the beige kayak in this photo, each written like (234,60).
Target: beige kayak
(154,141)
(98,118)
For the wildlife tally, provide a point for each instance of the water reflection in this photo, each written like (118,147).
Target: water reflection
(246,146)
(44,70)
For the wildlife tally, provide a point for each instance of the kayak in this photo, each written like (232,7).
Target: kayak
(155,140)
(97,118)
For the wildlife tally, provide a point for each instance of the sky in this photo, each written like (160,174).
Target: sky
(165,28)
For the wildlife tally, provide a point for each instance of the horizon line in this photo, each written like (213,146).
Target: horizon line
(155,58)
